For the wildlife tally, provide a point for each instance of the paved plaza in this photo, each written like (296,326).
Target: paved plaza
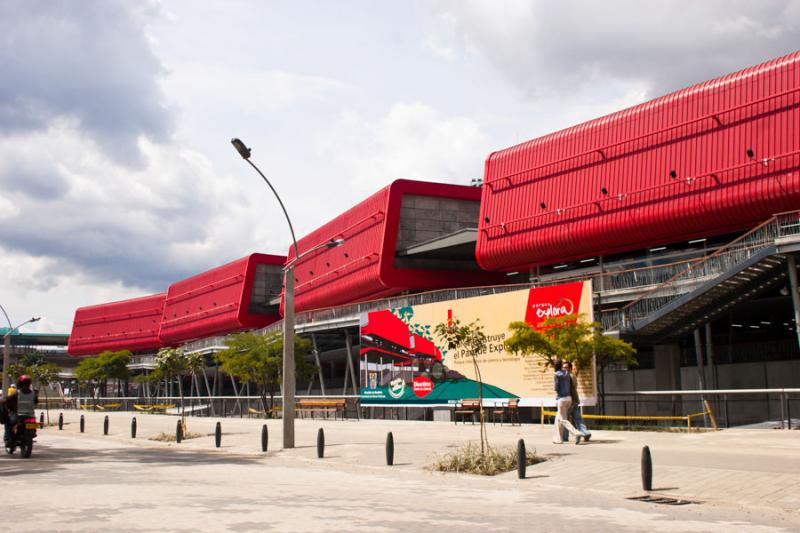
(745,479)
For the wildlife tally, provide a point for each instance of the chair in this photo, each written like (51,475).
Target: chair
(511,408)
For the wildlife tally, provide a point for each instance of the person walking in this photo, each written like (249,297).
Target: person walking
(562,383)
(575,414)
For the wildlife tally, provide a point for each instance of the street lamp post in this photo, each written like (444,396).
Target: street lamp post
(7,347)
(288,308)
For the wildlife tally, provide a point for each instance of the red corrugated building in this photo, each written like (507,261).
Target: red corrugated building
(225,299)
(124,325)
(717,157)
(383,253)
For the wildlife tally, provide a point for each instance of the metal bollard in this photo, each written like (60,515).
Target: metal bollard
(389,449)
(179,432)
(218,435)
(320,443)
(41,420)
(105,425)
(647,469)
(133,427)
(60,421)
(522,459)
(83,424)
(264,438)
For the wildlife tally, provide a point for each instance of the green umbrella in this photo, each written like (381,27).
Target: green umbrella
(444,393)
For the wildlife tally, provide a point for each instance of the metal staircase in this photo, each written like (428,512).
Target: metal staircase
(742,269)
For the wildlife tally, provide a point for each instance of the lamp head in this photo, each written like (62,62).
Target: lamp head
(243,150)
(333,243)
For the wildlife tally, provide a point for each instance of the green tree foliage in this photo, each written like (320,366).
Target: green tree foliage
(471,340)
(258,359)
(171,363)
(98,370)
(567,339)
(114,365)
(89,371)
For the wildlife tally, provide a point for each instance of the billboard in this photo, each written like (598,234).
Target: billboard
(403,363)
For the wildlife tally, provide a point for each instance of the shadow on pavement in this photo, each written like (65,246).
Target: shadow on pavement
(47,458)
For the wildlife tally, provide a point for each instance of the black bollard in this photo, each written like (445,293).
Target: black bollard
(522,459)
(41,420)
(105,425)
(389,449)
(320,443)
(218,435)
(83,424)
(264,438)
(179,432)
(60,421)
(133,427)
(647,469)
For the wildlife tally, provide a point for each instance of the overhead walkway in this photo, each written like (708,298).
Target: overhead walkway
(653,299)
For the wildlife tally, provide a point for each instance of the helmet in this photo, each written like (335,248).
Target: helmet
(12,390)
(23,380)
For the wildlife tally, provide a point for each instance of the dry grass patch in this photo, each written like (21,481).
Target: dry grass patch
(468,459)
(170,437)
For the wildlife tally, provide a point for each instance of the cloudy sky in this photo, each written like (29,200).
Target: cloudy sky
(116,172)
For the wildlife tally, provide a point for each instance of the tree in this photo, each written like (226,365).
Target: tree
(470,339)
(569,338)
(114,365)
(259,359)
(171,363)
(151,377)
(45,374)
(89,371)
(195,362)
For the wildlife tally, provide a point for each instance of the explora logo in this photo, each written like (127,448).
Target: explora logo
(563,307)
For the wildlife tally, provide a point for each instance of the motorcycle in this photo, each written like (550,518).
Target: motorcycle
(22,437)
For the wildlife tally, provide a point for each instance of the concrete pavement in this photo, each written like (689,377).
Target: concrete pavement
(746,478)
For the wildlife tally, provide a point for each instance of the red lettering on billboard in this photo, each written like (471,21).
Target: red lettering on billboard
(553,302)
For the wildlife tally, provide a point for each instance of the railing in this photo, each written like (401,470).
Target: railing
(725,404)
(241,406)
(703,269)
(661,283)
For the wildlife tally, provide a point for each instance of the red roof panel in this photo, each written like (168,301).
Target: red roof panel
(125,325)
(220,300)
(709,159)
(364,267)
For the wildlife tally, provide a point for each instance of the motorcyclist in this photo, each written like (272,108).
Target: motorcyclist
(19,405)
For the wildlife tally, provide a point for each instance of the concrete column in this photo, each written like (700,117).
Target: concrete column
(350,366)
(698,351)
(792,265)
(668,377)
(319,366)
(712,373)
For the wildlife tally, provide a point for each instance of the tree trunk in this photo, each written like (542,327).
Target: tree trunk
(46,405)
(271,398)
(263,391)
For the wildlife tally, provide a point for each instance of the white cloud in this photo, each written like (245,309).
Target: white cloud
(547,48)
(254,90)
(145,226)
(412,141)
(36,286)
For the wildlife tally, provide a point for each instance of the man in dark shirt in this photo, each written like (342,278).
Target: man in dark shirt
(575,414)
(562,384)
